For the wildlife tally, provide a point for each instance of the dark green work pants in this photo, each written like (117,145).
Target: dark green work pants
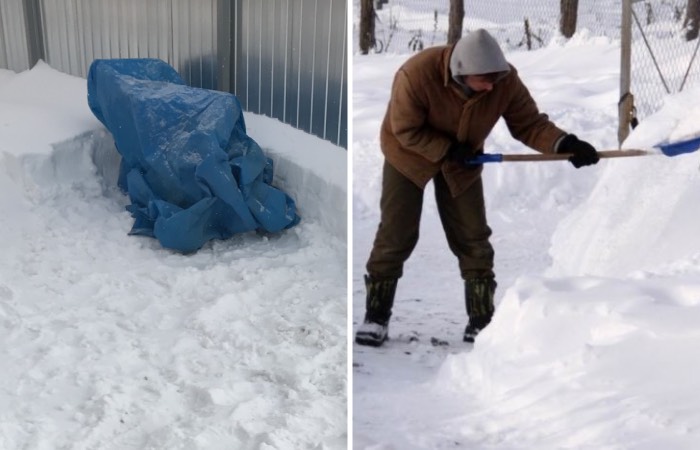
(463,219)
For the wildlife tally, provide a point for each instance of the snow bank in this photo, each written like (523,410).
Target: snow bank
(561,354)
(312,171)
(42,106)
(642,213)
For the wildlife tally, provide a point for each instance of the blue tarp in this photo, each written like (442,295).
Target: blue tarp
(190,170)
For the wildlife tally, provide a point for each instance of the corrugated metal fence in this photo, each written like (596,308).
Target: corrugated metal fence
(286,59)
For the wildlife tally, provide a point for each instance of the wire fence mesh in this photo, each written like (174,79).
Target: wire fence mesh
(663,61)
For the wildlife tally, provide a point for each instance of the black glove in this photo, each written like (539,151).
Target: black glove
(584,154)
(459,151)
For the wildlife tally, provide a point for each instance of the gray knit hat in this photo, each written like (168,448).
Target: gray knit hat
(477,53)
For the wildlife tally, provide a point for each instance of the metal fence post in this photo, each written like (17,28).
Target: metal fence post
(224,30)
(34,30)
(4,60)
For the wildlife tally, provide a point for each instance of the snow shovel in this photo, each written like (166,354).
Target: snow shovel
(667,148)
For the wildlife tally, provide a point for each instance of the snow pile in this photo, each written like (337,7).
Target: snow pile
(313,171)
(37,113)
(586,363)
(643,212)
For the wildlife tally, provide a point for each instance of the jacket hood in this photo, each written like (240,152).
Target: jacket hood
(477,53)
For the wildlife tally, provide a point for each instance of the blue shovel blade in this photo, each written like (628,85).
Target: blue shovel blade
(680,147)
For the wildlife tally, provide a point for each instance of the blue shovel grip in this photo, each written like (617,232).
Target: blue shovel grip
(485,158)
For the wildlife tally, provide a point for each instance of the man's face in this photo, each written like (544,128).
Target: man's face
(479,83)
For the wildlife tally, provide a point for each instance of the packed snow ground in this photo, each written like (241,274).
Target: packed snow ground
(595,339)
(109,341)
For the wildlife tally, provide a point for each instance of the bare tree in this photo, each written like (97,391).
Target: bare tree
(692,20)
(454,31)
(367,39)
(569,14)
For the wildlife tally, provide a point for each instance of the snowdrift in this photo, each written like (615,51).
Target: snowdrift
(642,213)
(191,171)
(562,353)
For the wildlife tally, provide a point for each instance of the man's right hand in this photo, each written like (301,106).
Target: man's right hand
(583,153)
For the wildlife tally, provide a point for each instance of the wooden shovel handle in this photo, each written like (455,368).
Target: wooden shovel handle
(564,156)
(561,156)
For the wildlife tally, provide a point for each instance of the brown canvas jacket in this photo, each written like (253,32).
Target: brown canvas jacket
(428,111)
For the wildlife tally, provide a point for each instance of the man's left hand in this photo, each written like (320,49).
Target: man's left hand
(459,151)
(583,153)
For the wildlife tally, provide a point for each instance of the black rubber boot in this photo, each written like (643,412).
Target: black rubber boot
(478,295)
(380,299)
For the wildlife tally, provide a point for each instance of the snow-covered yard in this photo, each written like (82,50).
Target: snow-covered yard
(110,341)
(595,339)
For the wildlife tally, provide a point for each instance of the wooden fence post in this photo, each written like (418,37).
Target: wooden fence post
(367,39)
(569,14)
(626,102)
(456,19)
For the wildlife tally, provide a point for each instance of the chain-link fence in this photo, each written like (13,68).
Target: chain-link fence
(662,60)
